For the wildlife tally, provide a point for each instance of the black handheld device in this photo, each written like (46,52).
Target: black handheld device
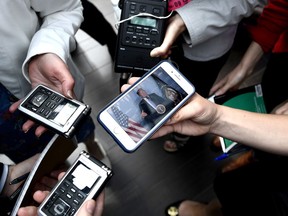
(142,31)
(136,114)
(84,180)
(54,111)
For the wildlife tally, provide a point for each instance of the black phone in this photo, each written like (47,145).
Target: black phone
(54,111)
(84,180)
(139,34)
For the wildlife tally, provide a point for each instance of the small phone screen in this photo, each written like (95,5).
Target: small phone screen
(83,177)
(52,106)
(144,21)
(147,104)
(63,112)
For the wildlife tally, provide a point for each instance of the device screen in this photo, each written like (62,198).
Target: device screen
(83,178)
(52,106)
(63,112)
(147,104)
(144,21)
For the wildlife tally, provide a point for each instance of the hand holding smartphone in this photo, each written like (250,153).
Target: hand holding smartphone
(53,110)
(135,115)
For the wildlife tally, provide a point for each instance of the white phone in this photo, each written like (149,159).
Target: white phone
(136,114)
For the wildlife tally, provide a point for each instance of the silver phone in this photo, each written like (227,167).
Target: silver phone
(136,114)
(54,111)
(84,180)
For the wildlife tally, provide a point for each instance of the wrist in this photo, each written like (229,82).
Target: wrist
(4,175)
(8,188)
(179,24)
(245,69)
(216,124)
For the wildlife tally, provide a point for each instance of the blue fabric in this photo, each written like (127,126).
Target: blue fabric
(16,144)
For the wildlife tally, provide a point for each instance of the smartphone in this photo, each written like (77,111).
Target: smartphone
(54,111)
(136,114)
(84,180)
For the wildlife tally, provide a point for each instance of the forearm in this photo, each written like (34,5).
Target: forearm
(262,131)
(251,58)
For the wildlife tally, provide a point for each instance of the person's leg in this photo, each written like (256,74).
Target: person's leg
(98,27)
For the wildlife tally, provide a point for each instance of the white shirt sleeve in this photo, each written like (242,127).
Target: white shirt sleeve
(61,20)
(205,19)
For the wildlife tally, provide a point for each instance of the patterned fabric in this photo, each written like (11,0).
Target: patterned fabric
(135,130)
(174,4)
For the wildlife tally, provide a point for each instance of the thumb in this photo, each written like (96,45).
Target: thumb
(88,208)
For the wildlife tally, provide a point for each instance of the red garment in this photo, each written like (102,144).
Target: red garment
(271,31)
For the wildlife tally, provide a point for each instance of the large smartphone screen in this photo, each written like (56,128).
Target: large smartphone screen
(147,104)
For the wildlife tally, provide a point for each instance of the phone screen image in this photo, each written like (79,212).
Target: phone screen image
(145,106)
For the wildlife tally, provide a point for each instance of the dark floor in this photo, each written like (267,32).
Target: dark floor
(149,179)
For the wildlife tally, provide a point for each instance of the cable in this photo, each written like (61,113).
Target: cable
(142,14)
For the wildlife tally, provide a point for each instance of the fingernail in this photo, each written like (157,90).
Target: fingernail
(69,93)
(39,135)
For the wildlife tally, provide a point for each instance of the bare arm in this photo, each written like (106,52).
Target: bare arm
(267,132)
(201,116)
(243,70)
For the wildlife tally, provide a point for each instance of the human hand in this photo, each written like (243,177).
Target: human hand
(16,171)
(281,109)
(234,79)
(47,182)
(230,81)
(195,118)
(48,69)
(89,208)
(175,27)
(29,123)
